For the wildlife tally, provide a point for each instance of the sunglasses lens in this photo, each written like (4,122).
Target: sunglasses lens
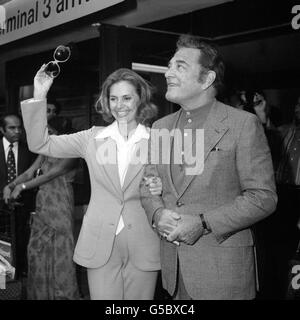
(52,69)
(62,53)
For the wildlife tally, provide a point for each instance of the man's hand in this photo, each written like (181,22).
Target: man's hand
(166,221)
(189,230)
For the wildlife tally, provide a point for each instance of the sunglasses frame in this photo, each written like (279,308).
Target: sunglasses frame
(56,62)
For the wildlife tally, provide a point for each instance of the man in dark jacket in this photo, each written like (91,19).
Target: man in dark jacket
(15,158)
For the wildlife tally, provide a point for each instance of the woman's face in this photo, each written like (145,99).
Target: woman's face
(51,111)
(257,99)
(124,101)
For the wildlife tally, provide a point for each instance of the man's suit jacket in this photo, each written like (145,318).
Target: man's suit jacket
(235,190)
(108,200)
(25,160)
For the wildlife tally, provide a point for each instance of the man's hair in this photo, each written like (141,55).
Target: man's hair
(6,115)
(56,104)
(209,59)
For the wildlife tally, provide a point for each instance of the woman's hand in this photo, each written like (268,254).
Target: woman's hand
(6,194)
(16,192)
(10,196)
(42,84)
(154,184)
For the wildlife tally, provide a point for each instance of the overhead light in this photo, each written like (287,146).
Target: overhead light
(148,67)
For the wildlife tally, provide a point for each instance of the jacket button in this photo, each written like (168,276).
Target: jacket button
(179,203)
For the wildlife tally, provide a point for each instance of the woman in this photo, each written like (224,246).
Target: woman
(51,270)
(116,243)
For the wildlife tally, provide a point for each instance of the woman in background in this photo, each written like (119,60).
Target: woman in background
(51,270)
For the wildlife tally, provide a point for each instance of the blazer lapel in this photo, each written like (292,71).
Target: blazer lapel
(137,163)
(109,165)
(132,172)
(112,172)
(168,166)
(214,129)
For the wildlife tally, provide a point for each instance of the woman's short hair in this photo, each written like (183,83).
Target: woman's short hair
(145,111)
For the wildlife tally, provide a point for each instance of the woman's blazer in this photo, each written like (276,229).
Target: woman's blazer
(108,200)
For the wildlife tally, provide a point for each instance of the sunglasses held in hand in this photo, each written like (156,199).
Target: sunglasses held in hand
(61,54)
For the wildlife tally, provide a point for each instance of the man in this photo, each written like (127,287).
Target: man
(286,219)
(15,158)
(269,117)
(204,219)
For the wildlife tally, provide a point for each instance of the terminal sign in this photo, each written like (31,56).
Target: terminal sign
(19,18)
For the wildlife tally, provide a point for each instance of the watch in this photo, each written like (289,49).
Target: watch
(205,226)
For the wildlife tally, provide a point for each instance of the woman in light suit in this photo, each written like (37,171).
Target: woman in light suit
(116,243)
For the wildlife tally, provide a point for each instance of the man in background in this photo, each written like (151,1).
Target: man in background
(283,226)
(15,158)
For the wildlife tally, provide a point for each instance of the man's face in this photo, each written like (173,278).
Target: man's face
(51,111)
(184,86)
(12,130)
